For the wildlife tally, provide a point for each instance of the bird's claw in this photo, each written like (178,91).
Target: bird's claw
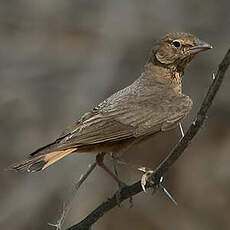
(145,178)
(118,195)
(121,185)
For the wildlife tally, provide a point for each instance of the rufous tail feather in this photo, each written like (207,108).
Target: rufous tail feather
(38,163)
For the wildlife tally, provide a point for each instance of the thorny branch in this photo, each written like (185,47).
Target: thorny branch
(136,188)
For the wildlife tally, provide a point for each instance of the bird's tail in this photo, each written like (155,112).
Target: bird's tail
(40,162)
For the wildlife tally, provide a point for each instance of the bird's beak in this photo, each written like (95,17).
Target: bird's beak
(200,46)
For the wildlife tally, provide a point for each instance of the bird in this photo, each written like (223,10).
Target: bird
(153,103)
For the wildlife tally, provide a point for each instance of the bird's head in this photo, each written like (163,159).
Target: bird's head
(178,49)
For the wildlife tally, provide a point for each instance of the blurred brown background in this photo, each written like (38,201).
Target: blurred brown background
(58,59)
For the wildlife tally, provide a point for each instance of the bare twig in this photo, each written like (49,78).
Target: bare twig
(169,161)
(67,206)
(85,176)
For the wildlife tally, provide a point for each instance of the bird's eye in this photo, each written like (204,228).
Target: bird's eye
(176,43)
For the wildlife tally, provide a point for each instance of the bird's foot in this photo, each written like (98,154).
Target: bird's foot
(146,177)
(121,186)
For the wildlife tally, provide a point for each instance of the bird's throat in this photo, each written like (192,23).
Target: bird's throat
(176,78)
(169,75)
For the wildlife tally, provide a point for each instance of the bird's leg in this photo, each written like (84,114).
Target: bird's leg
(118,196)
(115,167)
(115,161)
(99,160)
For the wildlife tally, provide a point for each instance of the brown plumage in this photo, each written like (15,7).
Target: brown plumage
(153,103)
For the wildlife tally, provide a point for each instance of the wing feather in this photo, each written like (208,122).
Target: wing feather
(125,122)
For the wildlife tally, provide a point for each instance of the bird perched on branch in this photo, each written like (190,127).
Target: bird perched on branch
(153,103)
